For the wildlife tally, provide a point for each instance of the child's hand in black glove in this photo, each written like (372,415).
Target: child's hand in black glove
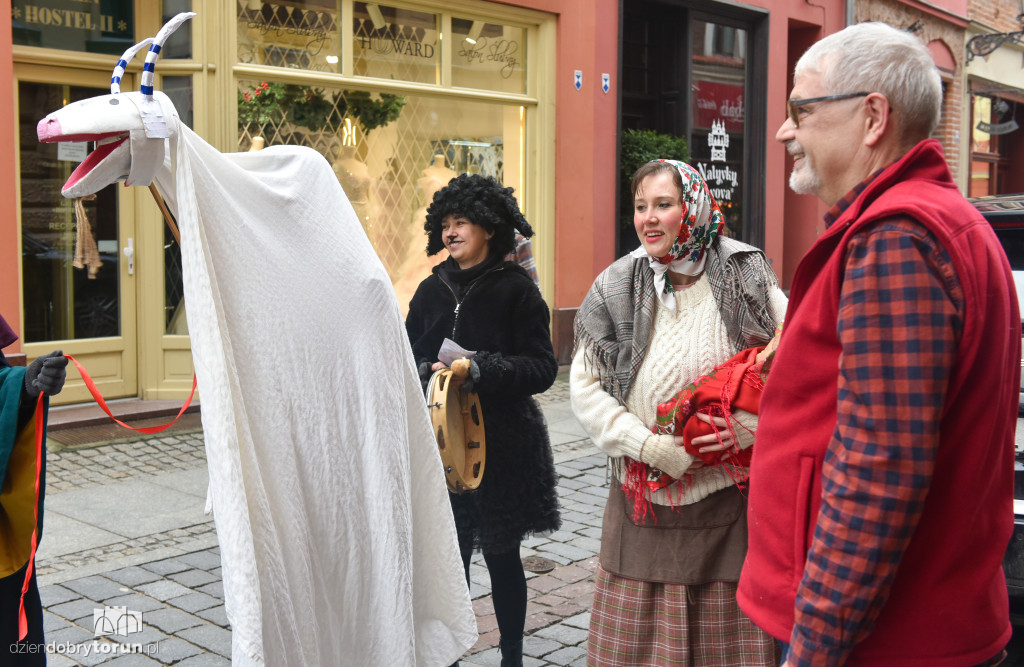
(46,374)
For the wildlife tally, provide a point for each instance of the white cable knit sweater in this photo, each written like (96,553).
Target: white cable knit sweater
(684,346)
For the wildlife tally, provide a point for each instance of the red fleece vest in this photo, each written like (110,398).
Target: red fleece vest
(948,604)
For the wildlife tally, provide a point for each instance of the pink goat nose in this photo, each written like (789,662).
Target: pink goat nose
(48,129)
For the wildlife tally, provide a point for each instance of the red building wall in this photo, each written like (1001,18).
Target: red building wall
(9,302)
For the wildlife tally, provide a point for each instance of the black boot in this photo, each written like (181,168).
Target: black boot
(511,653)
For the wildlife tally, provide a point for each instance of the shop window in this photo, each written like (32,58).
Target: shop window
(689,70)
(72,25)
(719,74)
(391,154)
(179,90)
(390,42)
(995,146)
(179,44)
(488,56)
(303,34)
(63,301)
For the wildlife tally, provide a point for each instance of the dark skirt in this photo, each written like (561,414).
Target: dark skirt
(518,494)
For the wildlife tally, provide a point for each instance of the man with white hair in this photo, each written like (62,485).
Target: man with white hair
(882,482)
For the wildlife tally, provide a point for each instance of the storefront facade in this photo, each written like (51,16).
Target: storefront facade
(993,108)
(397,97)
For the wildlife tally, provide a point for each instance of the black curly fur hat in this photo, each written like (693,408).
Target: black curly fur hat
(485,202)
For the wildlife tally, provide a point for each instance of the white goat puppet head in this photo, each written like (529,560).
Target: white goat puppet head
(131,130)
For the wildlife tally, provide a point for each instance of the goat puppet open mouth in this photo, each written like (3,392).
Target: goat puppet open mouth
(111,154)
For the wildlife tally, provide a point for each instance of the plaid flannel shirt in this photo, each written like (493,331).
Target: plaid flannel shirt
(900,319)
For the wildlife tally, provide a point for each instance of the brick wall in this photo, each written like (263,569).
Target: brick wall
(999,15)
(932,28)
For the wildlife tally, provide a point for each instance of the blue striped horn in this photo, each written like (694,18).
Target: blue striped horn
(126,57)
(154,51)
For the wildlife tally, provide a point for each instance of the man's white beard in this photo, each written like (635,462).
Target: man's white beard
(803,180)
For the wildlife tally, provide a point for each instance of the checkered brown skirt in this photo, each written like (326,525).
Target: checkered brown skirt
(639,623)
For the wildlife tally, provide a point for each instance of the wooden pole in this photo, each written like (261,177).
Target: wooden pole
(168,218)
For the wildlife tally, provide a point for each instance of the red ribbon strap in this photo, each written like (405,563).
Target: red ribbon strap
(40,415)
(91,386)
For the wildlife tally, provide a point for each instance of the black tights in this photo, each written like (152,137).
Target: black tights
(508,590)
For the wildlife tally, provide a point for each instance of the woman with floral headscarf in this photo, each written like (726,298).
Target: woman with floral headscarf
(655,320)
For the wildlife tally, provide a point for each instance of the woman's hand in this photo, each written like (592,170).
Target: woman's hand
(456,380)
(710,443)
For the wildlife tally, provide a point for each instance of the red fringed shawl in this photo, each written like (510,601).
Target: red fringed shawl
(737,383)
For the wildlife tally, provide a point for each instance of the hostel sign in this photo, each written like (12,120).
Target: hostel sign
(94,26)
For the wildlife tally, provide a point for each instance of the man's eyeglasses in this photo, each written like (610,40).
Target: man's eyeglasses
(793,106)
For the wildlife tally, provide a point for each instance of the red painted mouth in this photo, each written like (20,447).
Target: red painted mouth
(100,153)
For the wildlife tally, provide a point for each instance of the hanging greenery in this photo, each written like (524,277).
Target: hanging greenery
(261,104)
(314,108)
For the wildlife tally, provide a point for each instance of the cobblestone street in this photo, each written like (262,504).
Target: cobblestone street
(125,527)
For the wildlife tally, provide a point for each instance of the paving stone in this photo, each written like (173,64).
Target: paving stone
(58,660)
(216,589)
(563,634)
(171,620)
(204,560)
(216,615)
(75,609)
(133,660)
(69,635)
(56,594)
(558,536)
(132,576)
(165,567)
(194,602)
(567,482)
(588,544)
(172,650)
(193,578)
(135,602)
(210,637)
(581,621)
(164,590)
(567,551)
(569,526)
(566,655)
(95,588)
(539,646)
(52,622)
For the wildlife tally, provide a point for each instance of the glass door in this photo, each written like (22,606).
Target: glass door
(77,281)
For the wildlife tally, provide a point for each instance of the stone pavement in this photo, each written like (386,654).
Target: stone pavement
(124,527)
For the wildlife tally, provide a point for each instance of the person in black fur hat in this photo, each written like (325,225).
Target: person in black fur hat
(492,306)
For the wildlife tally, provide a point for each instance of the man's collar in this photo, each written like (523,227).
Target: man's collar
(840,206)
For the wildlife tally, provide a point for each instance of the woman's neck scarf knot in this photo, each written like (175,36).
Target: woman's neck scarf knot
(699,225)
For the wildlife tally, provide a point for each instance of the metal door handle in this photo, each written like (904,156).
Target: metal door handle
(129,253)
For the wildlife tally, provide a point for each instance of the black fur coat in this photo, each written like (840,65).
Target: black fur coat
(502,317)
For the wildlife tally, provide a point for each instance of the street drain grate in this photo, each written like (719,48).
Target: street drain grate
(538,565)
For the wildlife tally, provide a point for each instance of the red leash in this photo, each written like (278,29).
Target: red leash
(91,386)
(40,415)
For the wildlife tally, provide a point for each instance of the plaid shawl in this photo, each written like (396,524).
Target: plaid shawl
(613,324)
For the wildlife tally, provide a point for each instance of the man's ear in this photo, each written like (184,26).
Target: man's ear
(878,119)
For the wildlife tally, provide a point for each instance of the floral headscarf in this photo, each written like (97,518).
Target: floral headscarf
(701,221)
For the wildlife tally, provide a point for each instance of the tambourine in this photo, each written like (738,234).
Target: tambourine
(458,422)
